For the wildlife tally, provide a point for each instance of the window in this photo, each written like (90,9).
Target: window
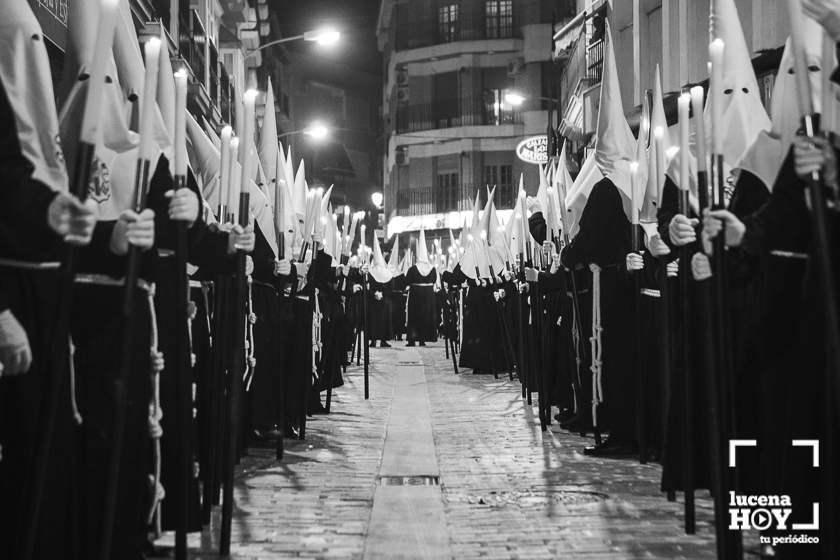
(496,110)
(498,17)
(500,176)
(448,23)
(446,192)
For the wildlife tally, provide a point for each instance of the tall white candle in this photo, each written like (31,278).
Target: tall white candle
(181,123)
(147,119)
(96,79)
(699,127)
(634,192)
(716,51)
(248,100)
(683,106)
(224,170)
(233,187)
(658,134)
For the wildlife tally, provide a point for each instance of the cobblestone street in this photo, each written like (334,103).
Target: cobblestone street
(362,485)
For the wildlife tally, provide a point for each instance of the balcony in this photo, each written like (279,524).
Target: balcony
(452,27)
(454,112)
(437,200)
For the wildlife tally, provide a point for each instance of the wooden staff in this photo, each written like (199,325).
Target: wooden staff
(142,178)
(34,485)
(181,348)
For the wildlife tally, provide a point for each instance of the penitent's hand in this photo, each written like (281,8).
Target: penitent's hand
(72,219)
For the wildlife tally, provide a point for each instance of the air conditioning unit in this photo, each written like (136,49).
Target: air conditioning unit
(401,155)
(515,67)
(402,76)
(402,95)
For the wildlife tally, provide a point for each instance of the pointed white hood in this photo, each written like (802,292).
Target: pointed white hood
(379,268)
(394,257)
(614,146)
(268,143)
(422,262)
(743,114)
(30,93)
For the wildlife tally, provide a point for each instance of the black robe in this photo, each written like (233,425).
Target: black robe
(379,310)
(604,239)
(421,309)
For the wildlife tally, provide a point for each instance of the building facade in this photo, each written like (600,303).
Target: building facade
(449,127)
(673,34)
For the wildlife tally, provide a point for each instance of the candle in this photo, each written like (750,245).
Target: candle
(716,49)
(699,127)
(181,123)
(233,178)
(345,224)
(683,105)
(96,79)
(658,133)
(224,172)
(800,64)
(147,119)
(634,192)
(246,157)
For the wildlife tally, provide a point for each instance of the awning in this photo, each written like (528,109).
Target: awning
(568,34)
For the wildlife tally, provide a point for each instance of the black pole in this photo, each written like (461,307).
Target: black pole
(120,389)
(237,366)
(366,331)
(183,383)
(34,485)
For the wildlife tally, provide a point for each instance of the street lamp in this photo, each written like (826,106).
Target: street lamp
(317,131)
(516,99)
(376,198)
(325,37)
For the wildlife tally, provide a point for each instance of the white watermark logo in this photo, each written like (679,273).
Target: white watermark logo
(771,512)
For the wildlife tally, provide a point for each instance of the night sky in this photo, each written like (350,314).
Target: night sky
(355,19)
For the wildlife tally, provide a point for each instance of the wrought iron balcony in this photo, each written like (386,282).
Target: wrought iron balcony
(416,201)
(450,27)
(453,112)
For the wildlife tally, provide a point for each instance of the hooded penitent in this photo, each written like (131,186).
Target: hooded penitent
(30,93)
(764,157)
(614,145)
(268,144)
(743,114)
(394,257)
(379,269)
(422,262)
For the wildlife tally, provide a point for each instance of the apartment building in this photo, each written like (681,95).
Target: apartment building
(450,129)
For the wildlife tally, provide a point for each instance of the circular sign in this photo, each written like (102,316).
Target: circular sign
(533,149)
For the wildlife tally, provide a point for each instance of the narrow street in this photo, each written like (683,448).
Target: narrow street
(438,465)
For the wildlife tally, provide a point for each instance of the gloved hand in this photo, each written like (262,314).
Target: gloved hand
(133,229)
(532,274)
(672,269)
(241,239)
(183,205)
(716,220)
(357,288)
(657,246)
(71,219)
(826,13)
(317,238)
(377,295)
(634,261)
(701,268)
(282,268)
(15,353)
(681,230)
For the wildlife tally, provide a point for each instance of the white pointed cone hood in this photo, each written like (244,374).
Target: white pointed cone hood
(127,52)
(743,114)
(299,192)
(166,91)
(394,257)
(615,145)
(211,133)
(422,262)
(475,225)
(542,192)
(379,269)
(204,156)
(268,142)
(30,93)
(615,142)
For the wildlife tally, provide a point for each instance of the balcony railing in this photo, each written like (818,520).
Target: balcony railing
(191,44)
(452,112)
(416,201)
(450,28)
